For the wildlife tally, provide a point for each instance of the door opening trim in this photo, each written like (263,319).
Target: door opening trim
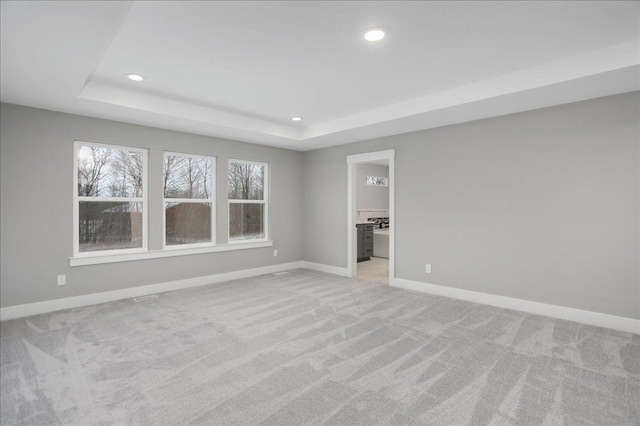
(368,157)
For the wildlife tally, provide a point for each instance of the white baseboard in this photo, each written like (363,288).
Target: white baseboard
(29,309)
(587,317)
(628,325)
(335,270)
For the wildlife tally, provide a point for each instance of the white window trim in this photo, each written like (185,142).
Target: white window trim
(211,200)
(155,254)
(77,199)
(265,201)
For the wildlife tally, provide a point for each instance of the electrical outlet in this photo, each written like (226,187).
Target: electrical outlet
(275,253)
(427,268)
(62,280)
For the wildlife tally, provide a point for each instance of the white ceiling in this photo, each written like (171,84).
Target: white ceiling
(241,70)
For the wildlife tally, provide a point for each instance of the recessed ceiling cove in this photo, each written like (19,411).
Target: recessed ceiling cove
(242,70)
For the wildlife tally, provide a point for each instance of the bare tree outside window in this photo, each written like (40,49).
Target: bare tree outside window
(109,197)
(188,183)
(187,176)
(246,181)
(247,200)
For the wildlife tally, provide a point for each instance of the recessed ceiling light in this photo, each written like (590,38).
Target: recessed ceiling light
(135,77)
(374,34)
(296,118)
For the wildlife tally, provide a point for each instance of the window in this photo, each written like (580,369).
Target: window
(376,181)
(189,204)
(111,208)
(110,198)
(247,200)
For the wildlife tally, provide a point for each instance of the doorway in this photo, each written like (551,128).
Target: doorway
(376,214)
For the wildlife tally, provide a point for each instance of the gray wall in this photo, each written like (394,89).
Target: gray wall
(36,151)
(541,205)
(370,196)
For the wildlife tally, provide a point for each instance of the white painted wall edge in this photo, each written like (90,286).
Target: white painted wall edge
(335,270)
(628,325)
(29,309)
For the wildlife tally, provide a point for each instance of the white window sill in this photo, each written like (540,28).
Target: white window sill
(154,254)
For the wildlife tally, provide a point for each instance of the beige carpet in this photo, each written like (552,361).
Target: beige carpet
(376,269)
(312,348)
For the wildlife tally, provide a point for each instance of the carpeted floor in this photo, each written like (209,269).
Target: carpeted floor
(313,348)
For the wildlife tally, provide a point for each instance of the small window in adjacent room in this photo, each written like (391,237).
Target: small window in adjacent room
(189,203)
(376,181)
(248,196)
(110,199)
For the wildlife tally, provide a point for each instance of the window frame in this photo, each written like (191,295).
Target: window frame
(211,199)
(77,199)
(385,181)
(264,201)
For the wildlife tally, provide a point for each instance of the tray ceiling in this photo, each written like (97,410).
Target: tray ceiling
(242,70)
